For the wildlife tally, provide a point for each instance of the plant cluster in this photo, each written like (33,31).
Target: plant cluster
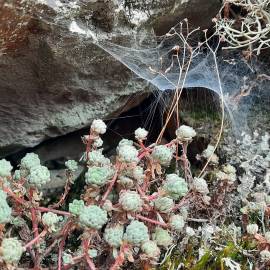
(134,208)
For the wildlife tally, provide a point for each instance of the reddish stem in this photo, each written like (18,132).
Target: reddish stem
(77,258)
(152,221)
(35,230)
(141,192)
(34,221)
(170,143)
(62,244)
(64,195)
(36,239)
(144,153)
(14,196)
(45,209)
(152,197)
(188,175)
(49,248)
(89,261)
(110,187)
(88,144)
(182,202)
(120,258)
(144,196)
(144,148)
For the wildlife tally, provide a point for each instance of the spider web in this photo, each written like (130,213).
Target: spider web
(159,66)
(157,62)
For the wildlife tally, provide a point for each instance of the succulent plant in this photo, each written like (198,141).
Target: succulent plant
(267,236)
(98,126)
(175,186)
(50,220)
(151,249)
(71,165)
(76,207)
(138,174)
(162,237)
(177,223)
(12,250)
(17,175)
(208,152)
(5,168)
(38,176)
(141,134)
(92,252)
(125,181)
(107,205)
(252,228)
(162,154)
(5,210)
(98,142)
(229,169)
(189,231)
(185,133)
(67,258)
(114,235)
(93,217)
(265,255)
(95,157)
(123,142)
(164,204)
(98,176)
(128,154)
(29,161)
(200,185)
(136,233)
(130,201)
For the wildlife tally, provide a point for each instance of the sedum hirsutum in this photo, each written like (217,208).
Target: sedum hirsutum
(38,176)
(12,250)
(164,204)
(29,161)
(200,185)
(141,134)
(162,237)
(114,235)
(136,233)
(50,220)
(93,217)
(175,186)
(185,133)
(162,154)
(151,249)
(72,165)
(5,209)
(76,206)
(177,223)
(133,205)
(5,168)
(128,154)
(130,201)
(98,126)
(98,176)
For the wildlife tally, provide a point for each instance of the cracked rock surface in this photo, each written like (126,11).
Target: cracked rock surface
(54,81)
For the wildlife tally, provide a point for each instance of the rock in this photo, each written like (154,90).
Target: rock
(54,81)
(164,14)
(58,181)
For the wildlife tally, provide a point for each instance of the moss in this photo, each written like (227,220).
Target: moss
(211,260)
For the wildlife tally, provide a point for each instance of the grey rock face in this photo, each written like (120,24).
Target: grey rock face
(54,81)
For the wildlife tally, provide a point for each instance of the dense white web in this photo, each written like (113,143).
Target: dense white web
(174,61)
(172,64)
